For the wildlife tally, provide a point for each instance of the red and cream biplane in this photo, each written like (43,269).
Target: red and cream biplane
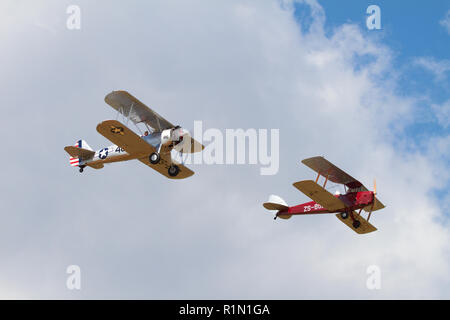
(356,197)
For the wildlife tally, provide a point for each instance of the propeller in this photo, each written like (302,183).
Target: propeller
(374,186)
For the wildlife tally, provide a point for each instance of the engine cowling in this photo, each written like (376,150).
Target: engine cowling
(174,135)
(177,134)
(166,136)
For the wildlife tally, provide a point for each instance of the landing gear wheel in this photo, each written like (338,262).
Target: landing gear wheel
(344,215)
(356,224)
(154,158)
(173,170)
(81,170)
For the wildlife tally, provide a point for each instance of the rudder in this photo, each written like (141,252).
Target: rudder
(83,145)
(75,161)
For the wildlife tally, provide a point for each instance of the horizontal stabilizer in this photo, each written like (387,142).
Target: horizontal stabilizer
(95,165)
(81,153)
(284,216)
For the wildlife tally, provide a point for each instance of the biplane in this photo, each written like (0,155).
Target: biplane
(347,207)
(153,147)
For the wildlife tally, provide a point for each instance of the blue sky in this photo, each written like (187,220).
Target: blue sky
(410,27)
(411,30)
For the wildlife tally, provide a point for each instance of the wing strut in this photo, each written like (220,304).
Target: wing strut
(326,178)
(371,208)
(159,125)
(129,113)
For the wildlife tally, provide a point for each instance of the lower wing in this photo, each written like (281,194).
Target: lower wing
(134,145)
(320,195)
(364,225)
(164,164)
(377,205)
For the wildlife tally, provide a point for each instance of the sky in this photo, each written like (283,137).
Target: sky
(374,102)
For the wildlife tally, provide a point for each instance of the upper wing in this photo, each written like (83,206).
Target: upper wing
(81,153)
(334,174)
(320,195)
(123,137)
(135,110)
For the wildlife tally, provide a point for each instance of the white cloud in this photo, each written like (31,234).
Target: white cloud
(438,68)
(442,113)
(230,64)
(445,22)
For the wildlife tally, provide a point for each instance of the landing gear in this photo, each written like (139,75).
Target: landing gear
(173,170)
(81,169)
(356,224)
(154,158)
(344,215)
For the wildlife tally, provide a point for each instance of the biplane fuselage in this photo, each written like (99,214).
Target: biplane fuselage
(115,153)
(153,148)
(347,207)
(353,201)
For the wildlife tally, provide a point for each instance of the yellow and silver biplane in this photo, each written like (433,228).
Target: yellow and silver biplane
(153,147)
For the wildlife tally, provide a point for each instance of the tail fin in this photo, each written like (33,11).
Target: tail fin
(83,145)
(275,203)
(278,204)
(75,161)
